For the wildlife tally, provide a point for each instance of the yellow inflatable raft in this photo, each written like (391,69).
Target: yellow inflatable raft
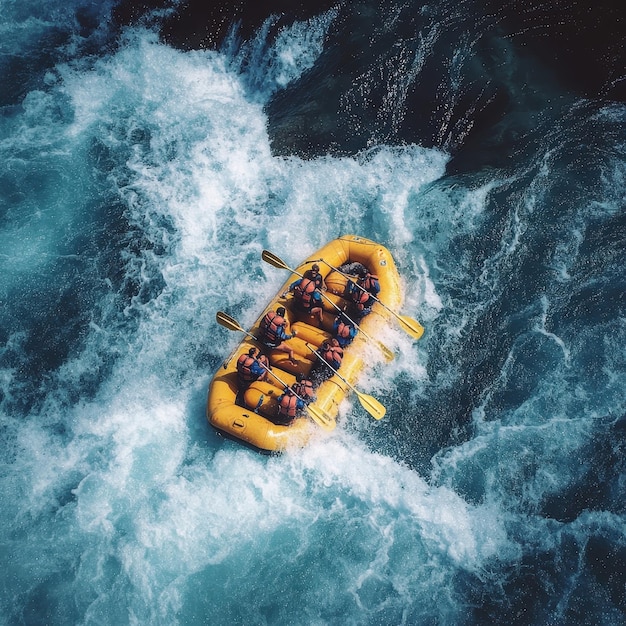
(248,415)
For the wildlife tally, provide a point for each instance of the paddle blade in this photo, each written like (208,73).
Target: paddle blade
(372,406)
(274,260)
(389,355)
(320,418)
(410,326)
(228,322)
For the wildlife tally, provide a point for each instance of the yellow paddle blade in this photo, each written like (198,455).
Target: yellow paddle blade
(371,405)
(227,321)
(320,418)
(274,260)
(410,326)
(389,355)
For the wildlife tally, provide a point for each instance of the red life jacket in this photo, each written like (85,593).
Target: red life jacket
(343,330)
(270,325)
(360,298)
(244,363)
(288,406)
(304,389)
(333,355)
(304,293)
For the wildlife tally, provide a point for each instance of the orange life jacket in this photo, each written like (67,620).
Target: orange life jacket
(333,355)
(244,363)
(343,330)
(270,325)
(360,298)
(288,406)
(304,389)
(304,293)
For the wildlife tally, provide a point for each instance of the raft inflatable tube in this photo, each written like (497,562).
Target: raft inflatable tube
(247,415)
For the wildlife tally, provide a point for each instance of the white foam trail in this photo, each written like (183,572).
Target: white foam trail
(154,499)
(541,328)
(268,69)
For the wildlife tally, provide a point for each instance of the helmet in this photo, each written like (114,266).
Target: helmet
(316,267)
(363,272)
(281,311)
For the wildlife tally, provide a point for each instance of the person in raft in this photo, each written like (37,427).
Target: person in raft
(250,367)
(304,388)
(330,355)
(273,333)
(289,407)
(344,330)
(307,296)
(314,275)
(364,292)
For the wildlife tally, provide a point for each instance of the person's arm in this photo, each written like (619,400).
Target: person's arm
(295,283)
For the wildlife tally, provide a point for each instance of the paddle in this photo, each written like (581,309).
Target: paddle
(369,403)
(272,259)
(408,324)
(318,416)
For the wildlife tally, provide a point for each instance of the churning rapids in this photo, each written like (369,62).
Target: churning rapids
(148,156)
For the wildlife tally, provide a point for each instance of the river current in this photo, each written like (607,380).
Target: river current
(145,165)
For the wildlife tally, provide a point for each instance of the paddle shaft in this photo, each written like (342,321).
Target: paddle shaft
(232,324)
(413,327)
(321,358)
(331,302)
(318,416)
(369,403)
(276,262)
(282,382)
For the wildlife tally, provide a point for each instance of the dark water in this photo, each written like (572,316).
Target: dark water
(149,154)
